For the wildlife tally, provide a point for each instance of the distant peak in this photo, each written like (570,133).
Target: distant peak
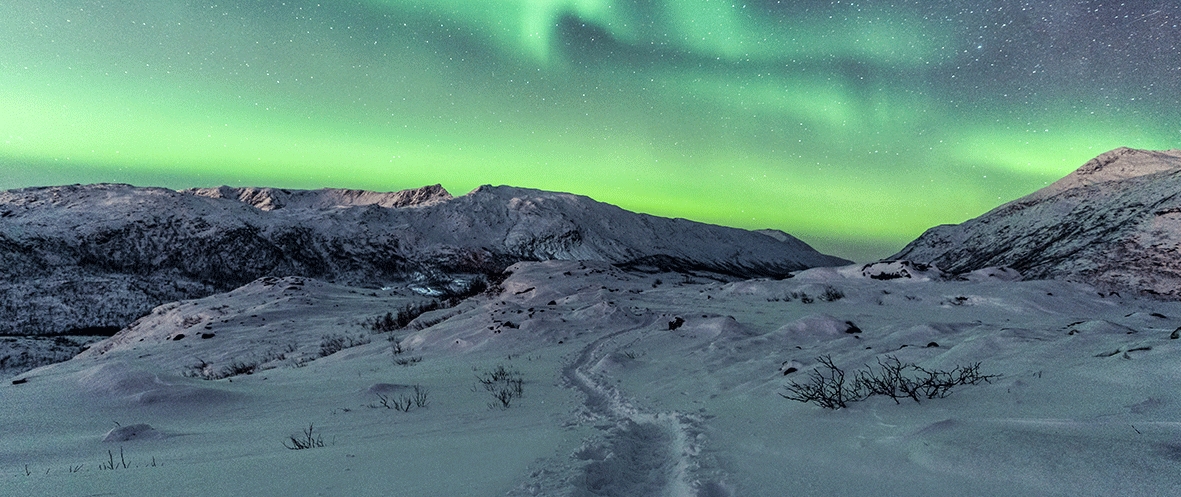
(1124,162)
(1115,165)
(269,199)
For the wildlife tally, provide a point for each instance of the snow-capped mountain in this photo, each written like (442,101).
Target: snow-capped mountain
(1114,223)
(86,256)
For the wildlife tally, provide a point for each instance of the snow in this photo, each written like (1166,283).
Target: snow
(614,402)
(86,256)
(1112,223)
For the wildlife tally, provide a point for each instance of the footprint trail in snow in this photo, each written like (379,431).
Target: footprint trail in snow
(637,453)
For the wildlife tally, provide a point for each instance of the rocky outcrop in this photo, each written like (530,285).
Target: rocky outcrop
(1114,223)
(82,256)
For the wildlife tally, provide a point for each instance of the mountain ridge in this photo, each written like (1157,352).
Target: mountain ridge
(108,253)
(1114,223)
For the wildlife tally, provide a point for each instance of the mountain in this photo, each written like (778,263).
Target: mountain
(1114,223)
(99,256)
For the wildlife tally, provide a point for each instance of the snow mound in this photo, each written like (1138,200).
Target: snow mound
(817,326)
(132,432)
(118,380)
(712,328)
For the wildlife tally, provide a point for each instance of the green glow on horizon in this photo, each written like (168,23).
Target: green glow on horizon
(825,120)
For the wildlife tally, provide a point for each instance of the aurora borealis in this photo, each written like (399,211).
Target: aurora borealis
(853,125)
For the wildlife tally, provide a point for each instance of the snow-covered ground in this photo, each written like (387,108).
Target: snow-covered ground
(631,384)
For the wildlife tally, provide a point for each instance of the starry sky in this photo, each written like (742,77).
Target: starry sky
(852,125)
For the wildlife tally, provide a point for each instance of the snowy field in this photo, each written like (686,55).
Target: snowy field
(616,384)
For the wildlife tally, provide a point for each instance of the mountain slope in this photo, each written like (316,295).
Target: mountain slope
(1115,223)
(101,255)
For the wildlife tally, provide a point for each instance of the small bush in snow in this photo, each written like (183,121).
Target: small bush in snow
(408,361)
(206,371)
(110,463)
(309,440)
(403,402)
(199,369)
(238,368)
(826,389)
(831,294)
(331,344)
(893,378)
(391,321)
(505,384)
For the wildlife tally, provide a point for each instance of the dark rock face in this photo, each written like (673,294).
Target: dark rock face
(1114,223)
(101,255)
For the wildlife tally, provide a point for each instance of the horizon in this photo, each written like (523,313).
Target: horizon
(854,127)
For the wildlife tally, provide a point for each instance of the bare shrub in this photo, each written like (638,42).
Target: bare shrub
(831,294)
(505,384)
(309,440)
(206,371)
(331,344)
(110,462)
(238,368)
(892,378)
(403,402)
(199,369)
(825,389)
(391,321)
(408,361)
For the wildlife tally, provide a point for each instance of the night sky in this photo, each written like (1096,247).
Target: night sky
(853,125)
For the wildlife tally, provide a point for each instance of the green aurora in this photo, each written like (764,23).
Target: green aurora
(853,125)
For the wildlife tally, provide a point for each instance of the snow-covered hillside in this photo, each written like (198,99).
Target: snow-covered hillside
(630,384)
(1114,223)
(611,354)
(85,256)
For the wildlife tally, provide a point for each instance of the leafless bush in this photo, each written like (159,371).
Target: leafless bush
(331,344)
(205,371)
(110,463)
(892,378)
(831,294)
(403,402)
(505,384)
(825,389)
(408,361)
(199,369)
(309,440)
(391,321)
(238,368)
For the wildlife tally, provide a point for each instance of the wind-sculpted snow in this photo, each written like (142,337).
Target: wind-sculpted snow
(1114,223)
(102,255)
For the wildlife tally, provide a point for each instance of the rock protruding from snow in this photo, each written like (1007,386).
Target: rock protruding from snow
(889,270)
(1114,223)
(83,256)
